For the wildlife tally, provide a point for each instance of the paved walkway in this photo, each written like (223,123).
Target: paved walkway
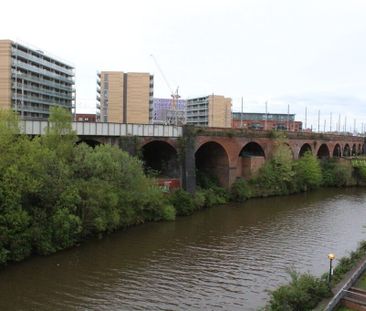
(341,284)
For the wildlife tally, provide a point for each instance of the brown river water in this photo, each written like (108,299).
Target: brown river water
(223,258)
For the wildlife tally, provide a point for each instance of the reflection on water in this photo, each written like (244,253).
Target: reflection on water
(224,258)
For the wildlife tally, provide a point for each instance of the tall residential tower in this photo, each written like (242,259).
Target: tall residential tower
(211,111)
(125,97)
(31,81)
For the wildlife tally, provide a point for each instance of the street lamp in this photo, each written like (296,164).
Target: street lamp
(331,258)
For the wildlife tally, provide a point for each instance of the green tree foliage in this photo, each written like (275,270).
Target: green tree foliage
(240,190)
(182,202)
(276,175)
(308,172)
(360,167)
(335,173)
(282,175)
(53,192)
(303,293)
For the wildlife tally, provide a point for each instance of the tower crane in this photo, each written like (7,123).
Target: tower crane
(173,117)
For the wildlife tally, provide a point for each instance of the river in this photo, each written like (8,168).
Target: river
(223,258)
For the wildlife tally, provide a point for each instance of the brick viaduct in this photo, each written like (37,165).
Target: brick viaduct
(227,153)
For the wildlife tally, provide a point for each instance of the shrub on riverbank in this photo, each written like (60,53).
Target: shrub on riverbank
(240,190)
(308,174)
(54,193)
(276,176)
(336,173)
(185,203)
(303,293)
(360,168)
(281,175)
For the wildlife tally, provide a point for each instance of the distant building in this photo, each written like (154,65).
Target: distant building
(31,81)
(125,97)
(164,111)
(210,111)
(263,121)
(85,117)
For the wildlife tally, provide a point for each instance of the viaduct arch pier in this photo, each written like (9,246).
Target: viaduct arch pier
(226,154)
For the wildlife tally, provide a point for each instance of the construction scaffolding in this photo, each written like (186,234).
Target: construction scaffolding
(169,111)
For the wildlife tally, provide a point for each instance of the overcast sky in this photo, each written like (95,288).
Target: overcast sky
(300,53)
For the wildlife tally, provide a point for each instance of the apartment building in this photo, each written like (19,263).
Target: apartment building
(210,111)
(125,97)
(263,121)
(31,82)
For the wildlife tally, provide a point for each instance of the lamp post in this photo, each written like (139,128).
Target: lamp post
(331,258)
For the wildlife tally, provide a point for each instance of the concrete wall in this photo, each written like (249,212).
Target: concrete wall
(219,111)
(115,94)
(128,96)
(138,90)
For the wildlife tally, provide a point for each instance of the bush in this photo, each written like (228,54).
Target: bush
(206,179)
(308,173)
(168,212)
(215,196)
(182,202)
(240,191)
(199,199)
(345,264)
(335,174)
(53,193)
(276,176)
(303,293)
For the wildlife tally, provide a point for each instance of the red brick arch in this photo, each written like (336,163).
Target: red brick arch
(305,147)
(212,160)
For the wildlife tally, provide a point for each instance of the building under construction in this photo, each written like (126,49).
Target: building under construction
(169,111)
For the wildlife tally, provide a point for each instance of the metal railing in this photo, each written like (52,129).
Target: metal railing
(36,127)
(42,61)
(38,80)
(343,291)
(47,73)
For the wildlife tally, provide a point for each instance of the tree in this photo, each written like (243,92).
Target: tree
(276,175)
(308,172)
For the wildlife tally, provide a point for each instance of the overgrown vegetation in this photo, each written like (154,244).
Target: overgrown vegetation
(345,264)
(281,175)
(336,174)
(360,168)
(305,291)
(53,192)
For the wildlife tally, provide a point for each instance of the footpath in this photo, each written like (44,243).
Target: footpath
(345,292)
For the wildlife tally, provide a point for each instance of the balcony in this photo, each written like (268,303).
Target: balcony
(25,87)
(39,60)
(39,80)
(33,99)
(25,66)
